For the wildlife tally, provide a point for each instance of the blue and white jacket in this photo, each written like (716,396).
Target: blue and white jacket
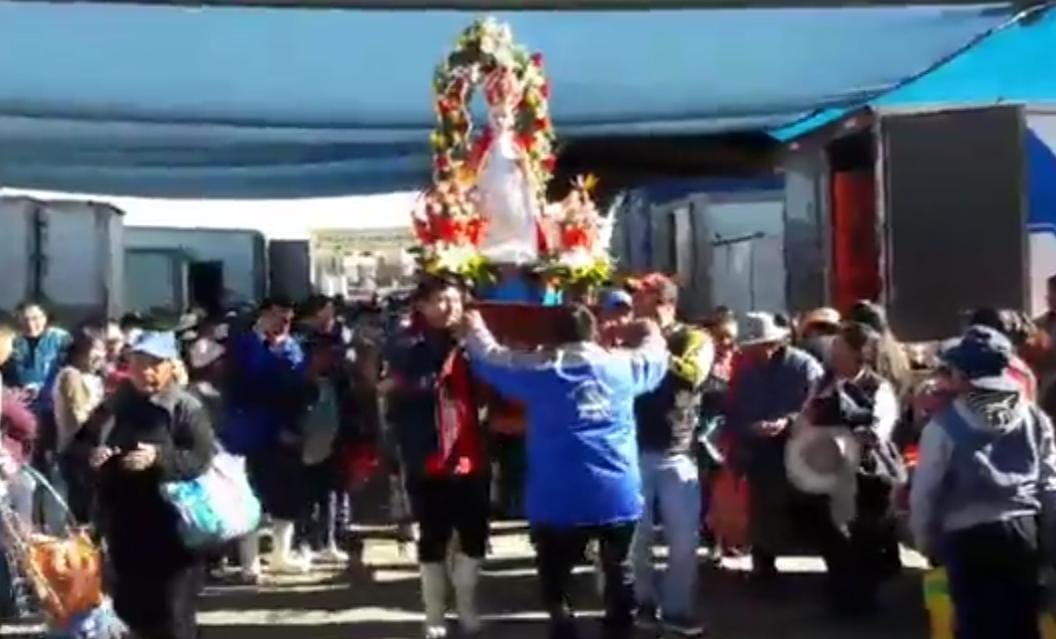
(987,458)
(582,446)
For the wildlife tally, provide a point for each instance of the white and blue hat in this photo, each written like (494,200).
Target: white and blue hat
(159,344)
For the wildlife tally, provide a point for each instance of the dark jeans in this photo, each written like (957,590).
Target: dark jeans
(445,505)
(160,606)
(558,550)
(993,572)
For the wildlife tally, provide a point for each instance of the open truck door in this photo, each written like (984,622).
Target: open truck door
(953,216)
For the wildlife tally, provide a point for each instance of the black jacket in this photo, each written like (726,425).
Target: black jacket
(140,527)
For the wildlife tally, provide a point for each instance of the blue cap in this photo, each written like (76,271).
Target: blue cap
(617,299)
(159,344)
(983,355)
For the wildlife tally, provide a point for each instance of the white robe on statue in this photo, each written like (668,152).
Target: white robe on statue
(509,203)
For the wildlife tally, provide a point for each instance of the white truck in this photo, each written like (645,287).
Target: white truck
(67,254)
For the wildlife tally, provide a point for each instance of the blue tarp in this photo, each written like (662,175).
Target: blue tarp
(1014,64)
(251,102)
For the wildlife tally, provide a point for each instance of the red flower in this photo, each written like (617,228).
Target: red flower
(526,141)
(421,229)
(475,230)
(549,163)
(574,237)
(446,229)
(541,124)
(545,90)
(537,60)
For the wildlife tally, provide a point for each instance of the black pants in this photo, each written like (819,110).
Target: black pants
(444,505)
(558,550)
(80,491)
(277,477)
(512,470)
(326,514)
(856,559)
(160,606)
(993,571)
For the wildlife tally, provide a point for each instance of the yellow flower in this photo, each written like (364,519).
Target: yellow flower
(589,182)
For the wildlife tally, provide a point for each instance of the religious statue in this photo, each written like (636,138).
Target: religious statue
(486,211)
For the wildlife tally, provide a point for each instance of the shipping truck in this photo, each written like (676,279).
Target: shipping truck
(67,254)
(214,269)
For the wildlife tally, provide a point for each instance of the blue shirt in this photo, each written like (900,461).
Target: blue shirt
(582,447)
(767,391)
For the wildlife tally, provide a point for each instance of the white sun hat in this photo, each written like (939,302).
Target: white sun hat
(819,459)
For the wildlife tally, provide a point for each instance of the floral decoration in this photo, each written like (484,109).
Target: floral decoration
(583,235)
(486,53)
(448,220)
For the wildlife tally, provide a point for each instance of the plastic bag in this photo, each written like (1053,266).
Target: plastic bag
(217,507)
(728,513)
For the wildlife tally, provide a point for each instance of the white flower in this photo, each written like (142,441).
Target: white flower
(454,257)
(504,57)
(577,258)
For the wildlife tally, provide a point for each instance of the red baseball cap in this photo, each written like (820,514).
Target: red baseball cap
(657,283)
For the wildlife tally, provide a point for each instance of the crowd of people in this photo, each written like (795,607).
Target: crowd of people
(630,421)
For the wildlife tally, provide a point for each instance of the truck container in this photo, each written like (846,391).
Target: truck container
(225,268)
(290,268)
(65,253)
(157,279)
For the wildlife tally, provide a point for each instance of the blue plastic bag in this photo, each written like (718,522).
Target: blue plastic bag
(216,507)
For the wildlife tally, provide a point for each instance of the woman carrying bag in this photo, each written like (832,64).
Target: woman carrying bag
(151,434)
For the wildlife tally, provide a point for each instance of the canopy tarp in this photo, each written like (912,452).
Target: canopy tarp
(1014,64)
(268,103)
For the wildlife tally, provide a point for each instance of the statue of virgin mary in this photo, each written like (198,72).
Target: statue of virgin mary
(506,191)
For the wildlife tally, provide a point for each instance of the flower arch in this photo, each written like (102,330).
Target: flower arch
(448,219)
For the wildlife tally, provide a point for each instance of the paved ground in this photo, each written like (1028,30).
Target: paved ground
(381,601)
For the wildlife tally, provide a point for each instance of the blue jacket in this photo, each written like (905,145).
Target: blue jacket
(267,392)
(582,448)
(767,391)
(39,365)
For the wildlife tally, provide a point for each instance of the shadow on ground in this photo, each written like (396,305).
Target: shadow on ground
(383,603)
